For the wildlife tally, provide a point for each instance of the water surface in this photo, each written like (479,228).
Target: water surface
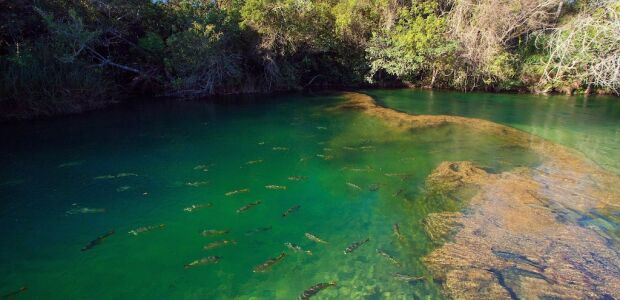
(358,176)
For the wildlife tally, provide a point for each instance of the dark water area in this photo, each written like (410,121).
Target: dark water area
(193,165)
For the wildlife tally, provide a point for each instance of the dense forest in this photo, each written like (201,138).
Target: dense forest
(60,56)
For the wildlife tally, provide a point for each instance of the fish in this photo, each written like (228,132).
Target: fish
(325,157)
(12,295)
(261,143)
(237,192)
(253,162)
(248,206)
(275,187)
(204,261)
(203,168)
(314,238)
(123,188)
(194,207)
(296,248)
(211,232)
(313,290)
(400,191)
(355,245)
(97,241)
(388,256)
(396,231)
(321,128)
(85,210)
(257,230)
(196,183)
(349,148)
(279,149)
(353,185)
(119,175)
(291,210)
(406,277)
(373,187)
(71,164)
(297,178)
(269,263)
(218,244)
(367,147)
(144,229)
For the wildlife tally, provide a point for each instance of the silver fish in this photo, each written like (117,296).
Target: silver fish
(353,185)
(194,207)
(355,245)
(313,290)
(388,256)
(218,244)
(71,164)
(123,188)
(85,210)
(257,230)
(210,232)
(97,241)
(269,263)
(275,187)
(407,278)
(314,238)
(291,210)
(196,183)
(204,261)
(203,168)
(119,175)
(248,206)
(237,192)
(145,229)
(296,248)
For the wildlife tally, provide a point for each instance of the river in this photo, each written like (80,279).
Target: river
(164,180)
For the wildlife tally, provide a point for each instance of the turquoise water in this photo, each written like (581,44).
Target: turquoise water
(588,124)
(358,177)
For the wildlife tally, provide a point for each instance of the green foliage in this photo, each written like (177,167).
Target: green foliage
(416,45)
(152,42)
(204,57)
(34,81)
(87,52)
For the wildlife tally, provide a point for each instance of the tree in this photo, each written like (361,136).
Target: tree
(415,46)
(585,51)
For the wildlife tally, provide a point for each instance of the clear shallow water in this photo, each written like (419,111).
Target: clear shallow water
(50,167)
(588,124)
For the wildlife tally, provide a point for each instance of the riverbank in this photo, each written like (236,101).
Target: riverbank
(11,111)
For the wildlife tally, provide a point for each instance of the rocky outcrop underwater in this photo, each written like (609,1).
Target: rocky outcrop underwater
(547,232)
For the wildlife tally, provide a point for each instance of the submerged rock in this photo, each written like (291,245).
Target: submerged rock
(526,232)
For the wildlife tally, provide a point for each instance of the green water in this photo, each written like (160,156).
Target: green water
(588,124)
(50,167)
